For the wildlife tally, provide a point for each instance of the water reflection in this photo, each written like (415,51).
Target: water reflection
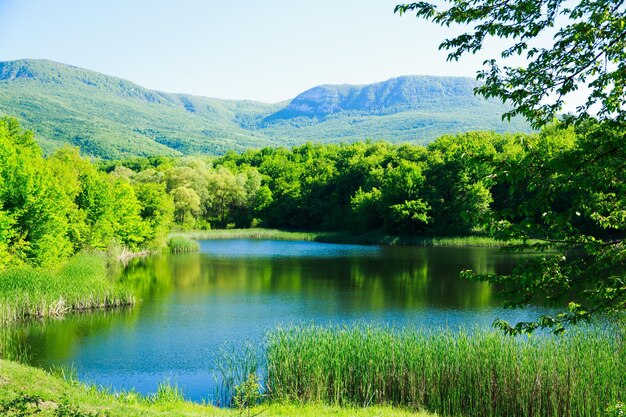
(376,280)
(236,289)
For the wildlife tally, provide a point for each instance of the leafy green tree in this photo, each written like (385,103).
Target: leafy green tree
(192,173)
(32,201)
(95,199)
(404,191)
(257,197)
(573,198)
(51,208)
(459,176)
(129,228)
(367,209)
(588,49)
(226,192)
(186,205)
(68,166)
(157,210)
(283,179)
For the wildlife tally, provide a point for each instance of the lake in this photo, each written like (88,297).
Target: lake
(234,290)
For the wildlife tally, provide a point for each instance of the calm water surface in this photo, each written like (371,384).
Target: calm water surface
(237,289)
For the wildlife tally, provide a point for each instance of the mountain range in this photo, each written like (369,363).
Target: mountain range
(109,117)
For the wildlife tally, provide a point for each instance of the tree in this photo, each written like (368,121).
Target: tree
(129,228)
(186,205)
(226,192)
(574,197)
(459,177)
(589,49)
(95,200)
(32,202)
(157,210)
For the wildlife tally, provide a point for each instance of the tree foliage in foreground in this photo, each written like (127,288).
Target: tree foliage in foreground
(573,198)
(589,49)
(51,208)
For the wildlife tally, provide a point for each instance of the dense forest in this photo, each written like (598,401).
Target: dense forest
(458,185)
(472,183)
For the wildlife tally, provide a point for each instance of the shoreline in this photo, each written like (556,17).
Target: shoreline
(61,389)
(80,285)
(371,238)
(483,373)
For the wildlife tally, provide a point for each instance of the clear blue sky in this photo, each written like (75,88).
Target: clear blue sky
(262,50)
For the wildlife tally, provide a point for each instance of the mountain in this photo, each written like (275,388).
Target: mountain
(392,96)
(110,117)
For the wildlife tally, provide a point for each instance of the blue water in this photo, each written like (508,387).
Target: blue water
(235,290)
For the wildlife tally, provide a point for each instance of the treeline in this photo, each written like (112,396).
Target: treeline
(458,185)
(52,207)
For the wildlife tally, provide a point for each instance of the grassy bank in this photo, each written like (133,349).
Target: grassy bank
(17,381)
(81,284)
(181,244)
(484,374)
(372,238)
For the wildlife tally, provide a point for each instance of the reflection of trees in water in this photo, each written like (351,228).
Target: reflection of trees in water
(401,278)
(418,281)
(394,279)
(59,338)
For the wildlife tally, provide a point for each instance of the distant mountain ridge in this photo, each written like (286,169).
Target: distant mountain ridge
(110,117)
(392,96)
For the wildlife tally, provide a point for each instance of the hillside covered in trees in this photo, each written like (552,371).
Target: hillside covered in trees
(112,118)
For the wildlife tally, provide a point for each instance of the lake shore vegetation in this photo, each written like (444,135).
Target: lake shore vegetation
(478,373)
(81,284)
(371,238)
(53,395)
(373,370)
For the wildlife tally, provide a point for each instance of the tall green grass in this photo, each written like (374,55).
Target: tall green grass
(180,244)
(254,233)
(12,347)
(372,238)
(81,284)
(477,374)
(234,362)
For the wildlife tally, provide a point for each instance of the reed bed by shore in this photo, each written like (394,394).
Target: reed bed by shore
(469,374)
(60,394)
(372,238)
(81,284)
(182,244)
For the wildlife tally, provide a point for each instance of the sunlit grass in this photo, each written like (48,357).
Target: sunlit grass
(179,244)
(372,238)
(81,284)
(18,380)
(477,374)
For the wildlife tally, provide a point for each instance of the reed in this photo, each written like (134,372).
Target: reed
(81,284)
(168,393)
(255,233)
(181,244)
(372,238)
(473,374)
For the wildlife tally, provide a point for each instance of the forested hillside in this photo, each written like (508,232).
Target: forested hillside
(112,118)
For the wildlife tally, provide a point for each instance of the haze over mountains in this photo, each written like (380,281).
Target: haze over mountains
(110,117)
